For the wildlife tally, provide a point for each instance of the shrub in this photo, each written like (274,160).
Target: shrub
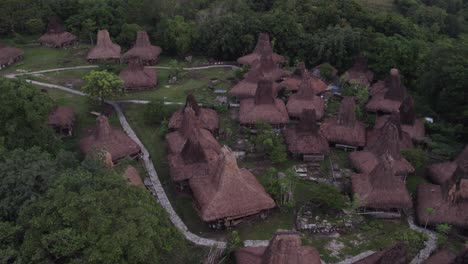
(156,112)
(35,25)
(417,157)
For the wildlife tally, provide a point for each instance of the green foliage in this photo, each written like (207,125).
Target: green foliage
(326,195)
(442,235)
(282,188)
(10,239)
(102,85)
(358,90)
(110,66)
(326,71)
(156,112)
(240,73)
(175,70)
(35,26)
(233,242)
(95,161)
(163,128)
(178,33)
(417,157)
(128,34)
(270,143)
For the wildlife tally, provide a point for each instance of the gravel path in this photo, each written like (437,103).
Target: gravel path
(430,244)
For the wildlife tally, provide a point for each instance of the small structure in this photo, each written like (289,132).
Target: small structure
(132,176)
(380,189)
(143,50)
(294,81)
(306,140)
(387,95)
(359,72)
(345,130)
(114,141)
(284,248)
(305,99)
(265,107)
(137,77)
(441,173)
(9,55)
(229,194)
(263,46)
(396,254)
(104,49)
(381,122)
(208,117)
(56,36)
(409,123)
(61,119)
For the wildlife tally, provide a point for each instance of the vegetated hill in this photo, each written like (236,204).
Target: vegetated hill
(381,5)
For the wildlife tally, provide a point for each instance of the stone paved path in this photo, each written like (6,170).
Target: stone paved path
(430,244)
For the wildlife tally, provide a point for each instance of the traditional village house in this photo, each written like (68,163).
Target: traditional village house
(387,95)
(229,194)
(137,77)
(265,107)
(380,189)
(114,141)
(62,119)
(104,49)
(263,46)
(293,82)
(284,248)
(305,99)
(132,176)
(359,73)
(409,123)
(381,122)
(387,143)
(143,50)
(397,254)
(306,140)
(345,131)
(9,55)
(208,117)
(56,36)
(446,256)
(440,173)
(446,203)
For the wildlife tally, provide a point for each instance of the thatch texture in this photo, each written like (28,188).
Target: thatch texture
(114,141)
(380,188)
(208,117)
(305,99)
(264,107)
(381,122)
(62,119)
(387,95)
(345,129)
(9,55)
(104,48)
(409,123)
(137,77)
(359,72)
(441,173)
(56,36)
(263,46)
(306,137)
(396,254)
(143,50)
(230,192)
(132,176)
(294,81)
(443,256)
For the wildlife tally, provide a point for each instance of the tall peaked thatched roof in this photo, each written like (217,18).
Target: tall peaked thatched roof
(61,116)
(347,112)
(56,35)
(230,192)
(105,48)
(387,141)
(294,81)
(396,254)
(387,95)
(208,117)
(441,173)
(360,72)
(132,176)
(381,125)
(305,99)
(413,126)
(9,55)
(395,89)
(138,77)
(443,256)
(263,46)
(143,50)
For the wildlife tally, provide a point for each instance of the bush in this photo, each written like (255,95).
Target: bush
(326,71)
(327,195)
(417,157)
(110,67)
(35,26)
(156,112)
(269,142)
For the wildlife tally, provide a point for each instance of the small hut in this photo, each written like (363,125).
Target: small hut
(443,172)
(396,254)
(62,119)
(359,72)
(381,122)
(305,99)
(379,189)
(104,49)
(132,176)
(345,130)
(143,50)
(409,123)
(263,46)
(388,95)
(56,36)
(208,117)
(229,194)
(386,143)
(306,140)
(284,248)
(137,77)
(114,141)
(294,81)
(9,55)
(265,107)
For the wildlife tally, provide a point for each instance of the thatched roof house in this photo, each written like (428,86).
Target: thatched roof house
(380,188)
(345,129)
(264,107)
(293,82)
(305,99)
(443,256)
(359,72)
(114,141)
(263,46)
(9,55)
(443,172)
(104,49)
(396,254)
(137,77)
(143,50)
(387,95)
(132,176)
(230,192)
(381,122)
(409,123)
(56,36)
(306,137)
(208,117)
(284,248)
(61,119)
(386,143)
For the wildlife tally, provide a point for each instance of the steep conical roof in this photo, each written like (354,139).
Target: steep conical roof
(306,91)
(347,114)
(396,90)
(103,129)
(388,141)
(192,103)
(308,122)
(105,48)
(407,113)
(192,152)
(383,175)
(263,46)
(264,93)
(301,70)
(189,122)
(143,49)
(54,26)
